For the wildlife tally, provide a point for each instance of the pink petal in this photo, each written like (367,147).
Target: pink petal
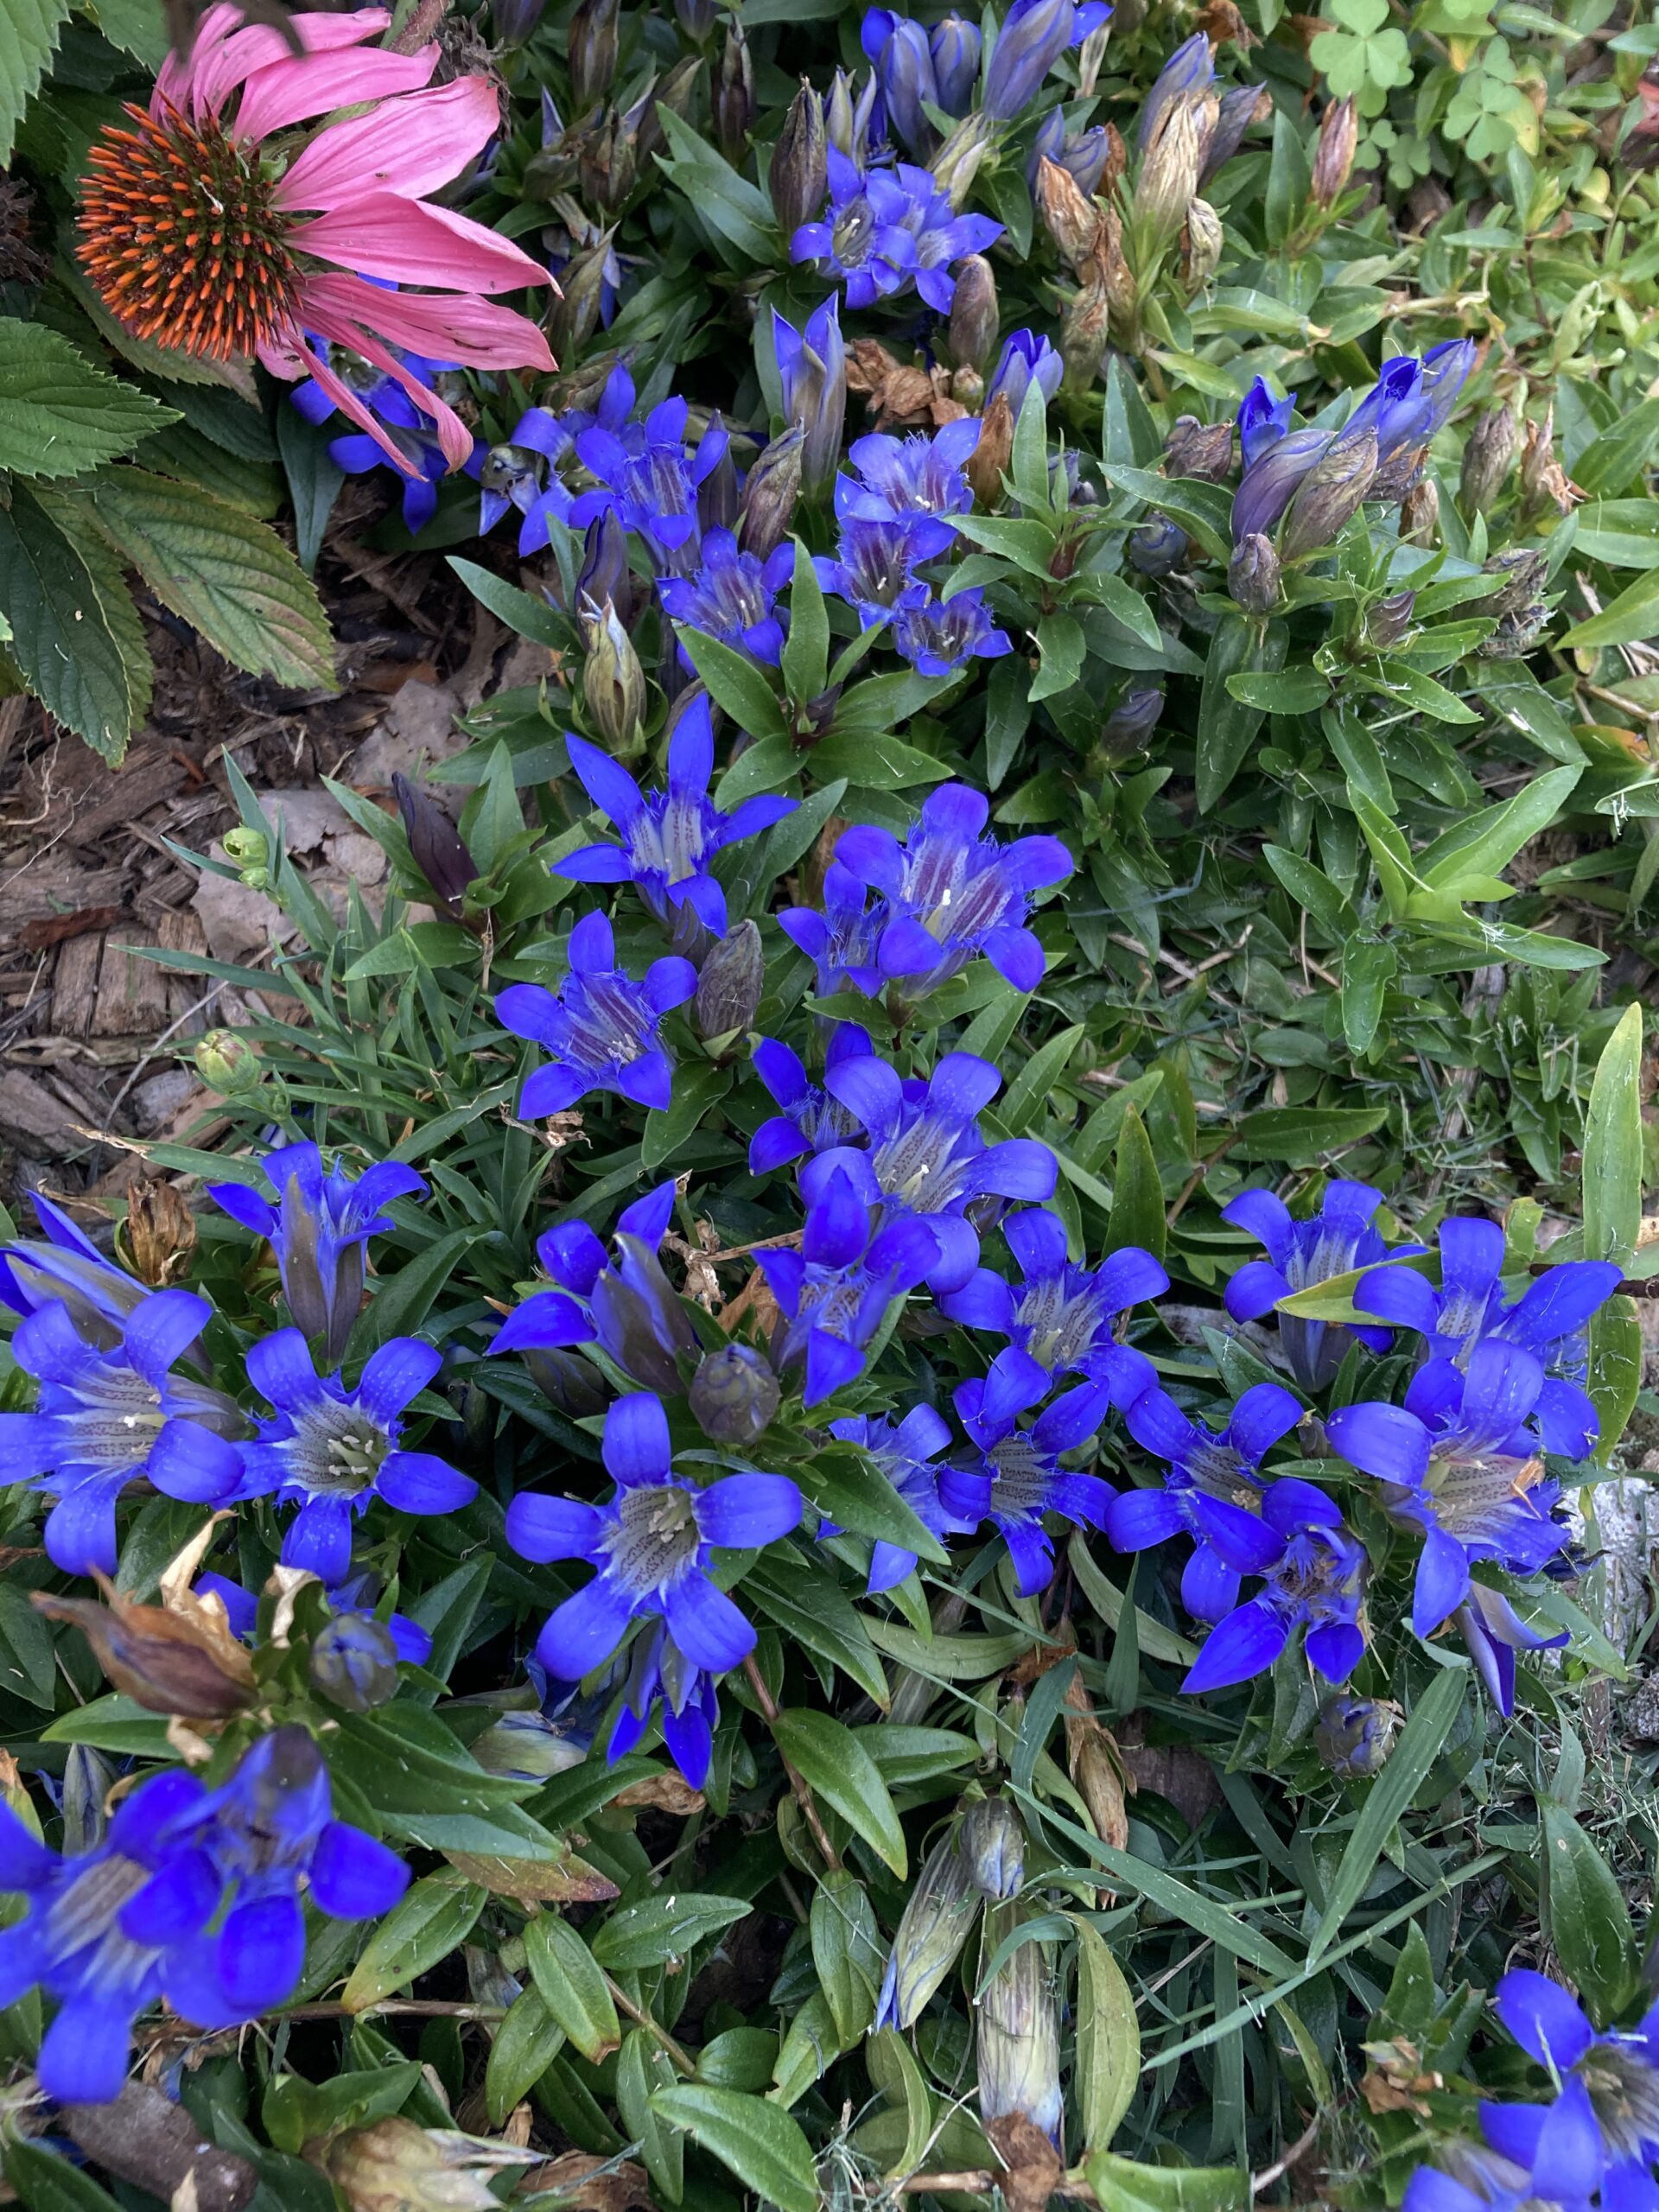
(290,357)
(445,326)
(453,436)
(408,146)
(223,57)
(412,242)
(299,86)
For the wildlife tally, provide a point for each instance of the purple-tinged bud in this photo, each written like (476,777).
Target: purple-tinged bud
(575,316)
(934,1927)
(733,99)
(88,1778)
(1271,481)
(1130,723)
(515,22)
(959,160)
(603,578)
(1387,621)
(1025,360)
(1019,2035)
(697,18)
(188,1664)
(1486,459)
(974,316)
(719,498)
(812,369)
(1354,1736)
(591,52)
(733,1395)
(1033,36)
(955,50)
(729,986)
(613,682)
(906,68)
(1190,68)
(1525,570)
(673,93)
(1331,493)
(568,1380)
(1334,156)
(1170,165)
(354,1663)
(1157,547)
(608,162)
(1253,575)
(643,1323)
(771,494)
(1241,107)
(436,846)
(993,1847)
(1420,513)
(1201,450)
(800,176)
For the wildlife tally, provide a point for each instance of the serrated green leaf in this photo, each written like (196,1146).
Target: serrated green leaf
(60,414)
(29,34)
(62,638)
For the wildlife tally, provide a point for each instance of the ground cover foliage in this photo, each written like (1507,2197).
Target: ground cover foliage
(874,1469)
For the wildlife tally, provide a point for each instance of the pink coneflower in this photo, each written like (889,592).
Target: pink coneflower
(220,224)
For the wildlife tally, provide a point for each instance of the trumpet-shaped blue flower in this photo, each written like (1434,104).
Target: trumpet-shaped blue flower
(1559,2172)
(733,597)
(628,1308)
(1338,1237)
(898,50)
(329,1450)
(650,479)
(943,635)
(812,369)
(651,1547)
(1063,1316)
(1493,1632)
(1459,1465)
(63,1265)
(1082,156)
(875,564)
(840,939)
(1190,68)
(1019,1477)
(898,476)
(1604,2117)
(662,1679)
(813,1119)
(1033,36)
(1317,1583)
(902,1450)
(1213,1492)
(317,1226)
(670,837)
(884,229)
(835,1292)
(926,1157)
(544,493)
(951,892)
(353,1600)
(108,1414)
(601,1028)
(1263,421)
(1025,360)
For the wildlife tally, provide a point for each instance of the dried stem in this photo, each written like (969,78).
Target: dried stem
(798,1781)
(681,2061)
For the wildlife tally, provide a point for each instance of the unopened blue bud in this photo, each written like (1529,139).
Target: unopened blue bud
(734,1395)
(993,1845)
(1157,547)
(354,1663)
(1253,575)
(1355,1735)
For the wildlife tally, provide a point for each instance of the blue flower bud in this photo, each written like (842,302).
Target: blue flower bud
(1131,722)
(436,846)
(1033,36)
(568,1380)
(354,1663)
(1389,621)
(905,67)
(955,48)
(1355,1735)
(734,1395)
(603,575)
(993,1847)
(1190,68)
(1253,575)
(729,987)
(1157,547)
(1271,478)
(1019,2037)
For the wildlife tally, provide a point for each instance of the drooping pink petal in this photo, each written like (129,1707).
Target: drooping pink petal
(454,327)
(223,57)
(454,436)
(410,146)
(412,242)
(291,358)
(302,85)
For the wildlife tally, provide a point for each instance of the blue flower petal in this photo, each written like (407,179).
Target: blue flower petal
(706,1625)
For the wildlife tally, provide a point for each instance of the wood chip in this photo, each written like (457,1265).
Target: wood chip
(132,993)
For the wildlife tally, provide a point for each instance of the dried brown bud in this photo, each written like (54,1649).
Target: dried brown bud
(1486,459)
(1171,165)
(1203,450)
(1116,162)
(1069,216)
(1083,334)
(1420,513)
(1092,1756)
(1542,478)
(392,2165)
(160,1232)
(1333,157)
(984,466)
(178,1660)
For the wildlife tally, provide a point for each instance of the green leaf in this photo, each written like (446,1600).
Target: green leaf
(28,1668)
(526,2043)
(816,1613)
(642,2070)
(1109,2037)
(848,1488)
(848,1951)
(114,1724)
(1121,2185)
(29,36)
(757,2140)
(698,1086)
(528,617)
(1587,1920)
(436,1918)
(44,2182)
(842,1773)
(806,649)
(228,575)
(60,414)
(1614,461)
(1137,1215)
(1617,1352)
(875,761)
(734,209)
(314,479)
(663,1928)
(572,1985)
(1611,1178)
(1226,724)
(1312,888)
(1626,620)
(1202,510)
(1301,1136)
(1295,691)
(1489,837)
(62,637)
(1060,643)
(404,1301)
(734,681)
(1026,1095)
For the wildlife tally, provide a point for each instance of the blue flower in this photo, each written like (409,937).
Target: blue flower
(1082,156)
(1033,36)
(669,838)
(1025,360)
(1190,68)
(835,1292)
(1019,1477)
(329,1450)
(902,1450)
(954,49)
(898,50)
(732,597)
(813,1119)
(884,229)
(941,636)
(900,477)
(541,493)
(1459,1466)
(1548,1319)
(351,1599)
(927,1159)
(812,369)
(1300,1255)
(1478,2177)
(1064,1317)
(64,1265)
(406,426)
(1263,421)
(647,476)
(874,568)
(143,1915)
(317,1227)
(651,1547)
(629,1309)
(951,892)
(841,939)
(601,1028)
(1213,1491)
(108,1414)
(660,1676)
(1604,2117)
(1272,481)
(1317,1583)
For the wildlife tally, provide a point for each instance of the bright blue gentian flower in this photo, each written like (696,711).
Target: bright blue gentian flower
(941,636)
(544,493)
(812,369)
(1213,1491)
(408,426)
(317,1226)
(1025,360)
(329,1450)
(898,50)
(835,1292)
(1033,36)
(733,597)
(64,1265)
(813,1119)
(884,229)
(902,1450)
(649,479)
(926,1157)
(1020,1479)
(951,892)
(651,1546)
(352,1600)
(1477,2178)
(601,1028)
(1604,2118)
(917,475)
(874,568)
(1338,1237)
(1064,1317)
(669,838)
(841,939)
(661,1676)
(1263,421)
(1317,1583)
(108,1414)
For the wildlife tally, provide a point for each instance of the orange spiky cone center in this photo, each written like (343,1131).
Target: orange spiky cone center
(182,240)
